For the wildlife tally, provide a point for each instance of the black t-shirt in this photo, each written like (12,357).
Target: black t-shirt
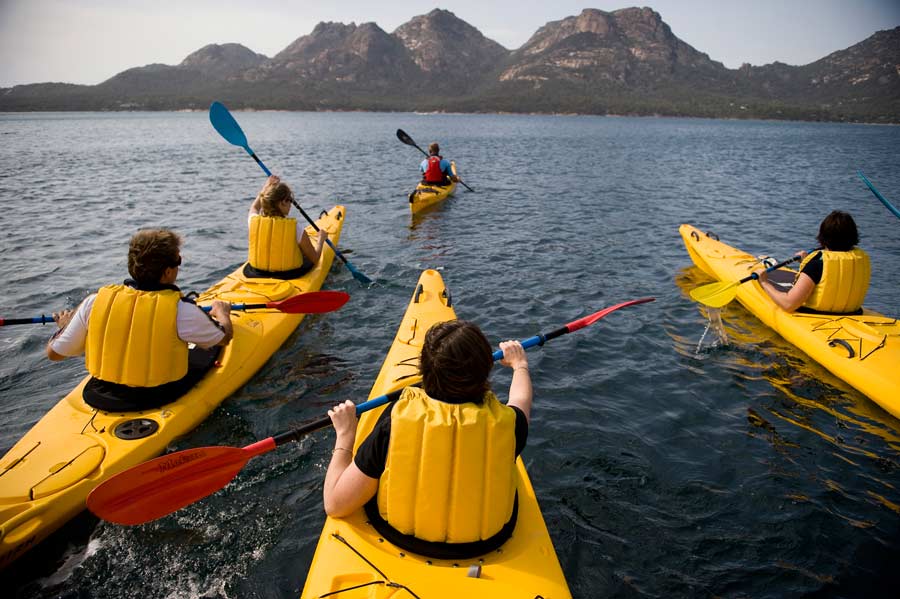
(813,268)
(372,453)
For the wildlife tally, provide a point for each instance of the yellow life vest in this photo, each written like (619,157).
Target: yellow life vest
(133,339)
(844,282)
(273,244)
(450,472)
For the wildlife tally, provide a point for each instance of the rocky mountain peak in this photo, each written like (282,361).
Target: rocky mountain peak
(444,45)
(221,60)
(335,52)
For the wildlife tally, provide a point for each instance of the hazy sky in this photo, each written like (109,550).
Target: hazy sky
(88,41)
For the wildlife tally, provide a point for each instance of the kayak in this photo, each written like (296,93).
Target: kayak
(863,350)
(47,475)
(352,561)
(426,195)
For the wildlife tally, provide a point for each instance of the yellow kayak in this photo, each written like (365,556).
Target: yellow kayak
(863,350)
(426,195)
(46,476)
(353,562)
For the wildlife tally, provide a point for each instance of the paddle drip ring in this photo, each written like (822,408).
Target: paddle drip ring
(138,428)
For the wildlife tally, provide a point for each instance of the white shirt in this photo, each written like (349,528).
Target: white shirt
(192,324)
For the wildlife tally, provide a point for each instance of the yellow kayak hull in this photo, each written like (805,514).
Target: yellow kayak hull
(525,567)
(46,476)
(862,350)
(426,196)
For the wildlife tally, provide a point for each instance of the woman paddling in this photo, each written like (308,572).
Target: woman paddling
(437,474)
(834,279)
(279,247)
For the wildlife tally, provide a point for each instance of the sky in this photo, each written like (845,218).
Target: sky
(89,41)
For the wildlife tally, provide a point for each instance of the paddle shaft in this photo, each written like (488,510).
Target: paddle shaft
(36,320)
(753,276)
(878,195)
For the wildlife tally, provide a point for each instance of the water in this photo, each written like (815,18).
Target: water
(742,470)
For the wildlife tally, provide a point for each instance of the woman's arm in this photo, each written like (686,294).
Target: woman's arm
(793,298)
(520,390)
(346,488)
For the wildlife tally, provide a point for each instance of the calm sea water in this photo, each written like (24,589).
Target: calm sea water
(742,470)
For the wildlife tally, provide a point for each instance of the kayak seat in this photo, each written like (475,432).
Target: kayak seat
(284,275)
(112,397)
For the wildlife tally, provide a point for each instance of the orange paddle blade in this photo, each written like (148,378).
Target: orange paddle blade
(163,485)
(314,302)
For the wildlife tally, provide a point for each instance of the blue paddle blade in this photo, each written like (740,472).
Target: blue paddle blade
(225,124)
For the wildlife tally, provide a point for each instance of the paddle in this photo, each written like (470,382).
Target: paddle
(228,128)
(716,295)
(883,199)
(163,485)
(313,302)
(402,136)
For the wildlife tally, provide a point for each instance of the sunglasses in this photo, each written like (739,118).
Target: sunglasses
(177,262)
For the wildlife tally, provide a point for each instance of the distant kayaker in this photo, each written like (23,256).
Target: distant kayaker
(834,279)
(279,246)
(437,474)
(436,170)
(135,336)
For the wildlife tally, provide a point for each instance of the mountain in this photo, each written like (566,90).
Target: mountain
(626,61)
(449,52)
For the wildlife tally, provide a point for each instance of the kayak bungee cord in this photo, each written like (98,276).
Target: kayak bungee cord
(387,581)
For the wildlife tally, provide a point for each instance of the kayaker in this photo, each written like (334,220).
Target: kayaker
(135,336)
(435,169)
(832,280)
(437,476)
(279,246)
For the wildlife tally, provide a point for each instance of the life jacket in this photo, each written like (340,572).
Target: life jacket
(845,280)
(273,244)
(433,172)
(450,474)
(133,339)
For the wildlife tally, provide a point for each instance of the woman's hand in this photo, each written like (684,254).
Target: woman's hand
(762,275)
(343,417)
(513,354)
(63,318)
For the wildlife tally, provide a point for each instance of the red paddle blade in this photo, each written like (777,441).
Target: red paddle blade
(592,318)
(314,302)
(163,485)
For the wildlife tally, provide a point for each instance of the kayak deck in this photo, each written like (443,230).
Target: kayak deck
(46,476)
(427,195)
(352,560)
(863,350)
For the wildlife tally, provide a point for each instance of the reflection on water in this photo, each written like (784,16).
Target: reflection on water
(714,316)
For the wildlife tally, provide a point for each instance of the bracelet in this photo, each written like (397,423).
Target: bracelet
(340,449)
(525,368)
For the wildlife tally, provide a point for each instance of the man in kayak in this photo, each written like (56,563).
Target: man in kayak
(437,473)
(832,280)
(279,247)
(135,336)
(435,169)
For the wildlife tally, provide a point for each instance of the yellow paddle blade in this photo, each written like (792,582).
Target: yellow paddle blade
(715,295)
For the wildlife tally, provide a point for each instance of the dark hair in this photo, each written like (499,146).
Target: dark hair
(434,149)
(838,232)
(455,362)
(151,252)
